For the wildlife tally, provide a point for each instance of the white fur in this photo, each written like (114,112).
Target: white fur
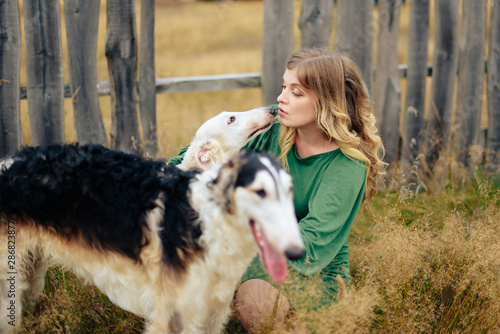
(5,164)
(224,135)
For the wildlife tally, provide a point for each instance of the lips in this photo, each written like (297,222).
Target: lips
(262,128)
(281,112)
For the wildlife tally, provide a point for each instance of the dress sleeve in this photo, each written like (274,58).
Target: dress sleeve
(178,159)
(332,210)
(267,141)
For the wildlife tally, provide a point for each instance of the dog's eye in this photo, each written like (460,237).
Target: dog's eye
(231,120)
(261,192)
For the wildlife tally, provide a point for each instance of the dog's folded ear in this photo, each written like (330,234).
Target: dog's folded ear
(208,154)
(225,182)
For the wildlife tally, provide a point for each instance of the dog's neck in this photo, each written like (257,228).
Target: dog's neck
(225,237)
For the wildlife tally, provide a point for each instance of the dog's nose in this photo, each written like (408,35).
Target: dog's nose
(294,253)
(272,111)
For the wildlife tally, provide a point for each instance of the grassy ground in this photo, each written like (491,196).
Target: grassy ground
(428,262)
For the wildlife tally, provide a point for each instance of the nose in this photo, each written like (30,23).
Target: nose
(281,97)
(294,253)
(272,111)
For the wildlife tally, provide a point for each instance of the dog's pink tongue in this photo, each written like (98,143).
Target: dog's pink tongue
(274,262)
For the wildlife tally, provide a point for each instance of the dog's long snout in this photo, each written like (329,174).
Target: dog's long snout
(294,253)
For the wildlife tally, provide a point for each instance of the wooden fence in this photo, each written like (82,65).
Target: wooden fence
(457,69)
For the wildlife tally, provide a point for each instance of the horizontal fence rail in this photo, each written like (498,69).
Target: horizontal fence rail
(206,83)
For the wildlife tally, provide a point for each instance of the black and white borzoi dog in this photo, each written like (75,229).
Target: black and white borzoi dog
(165,244)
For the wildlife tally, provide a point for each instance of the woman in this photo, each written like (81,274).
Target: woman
(325,134)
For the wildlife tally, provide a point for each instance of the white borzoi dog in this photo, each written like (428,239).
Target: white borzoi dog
(224,135)
(165,244)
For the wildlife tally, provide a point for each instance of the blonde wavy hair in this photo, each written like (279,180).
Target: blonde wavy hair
(343,109)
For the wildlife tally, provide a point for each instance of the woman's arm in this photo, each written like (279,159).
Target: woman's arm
(178,159)
(332,211)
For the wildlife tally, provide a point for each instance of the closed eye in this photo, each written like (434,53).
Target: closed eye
(294,92)
(231,120)
(261,192)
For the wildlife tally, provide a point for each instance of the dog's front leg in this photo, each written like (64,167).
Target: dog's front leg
(172,324)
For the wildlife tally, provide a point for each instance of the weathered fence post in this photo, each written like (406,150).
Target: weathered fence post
(44,71)
(444,75)
(418,38)
(10,66)
(387,94)
(277,46)
(355,34)
(316,23)
(82,20)
(121,51)
(493,146)
(147,84)
(470,83)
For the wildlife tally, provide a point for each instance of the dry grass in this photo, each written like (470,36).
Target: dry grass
(434,261)
(429,263)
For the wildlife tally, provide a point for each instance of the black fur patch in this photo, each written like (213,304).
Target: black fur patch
(101,195)
(252,166)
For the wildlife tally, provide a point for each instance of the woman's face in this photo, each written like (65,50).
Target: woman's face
(296,104)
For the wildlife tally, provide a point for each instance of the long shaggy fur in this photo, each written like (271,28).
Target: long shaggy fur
(100,196)
(165,244)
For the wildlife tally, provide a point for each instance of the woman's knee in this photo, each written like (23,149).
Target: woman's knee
(258,303)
